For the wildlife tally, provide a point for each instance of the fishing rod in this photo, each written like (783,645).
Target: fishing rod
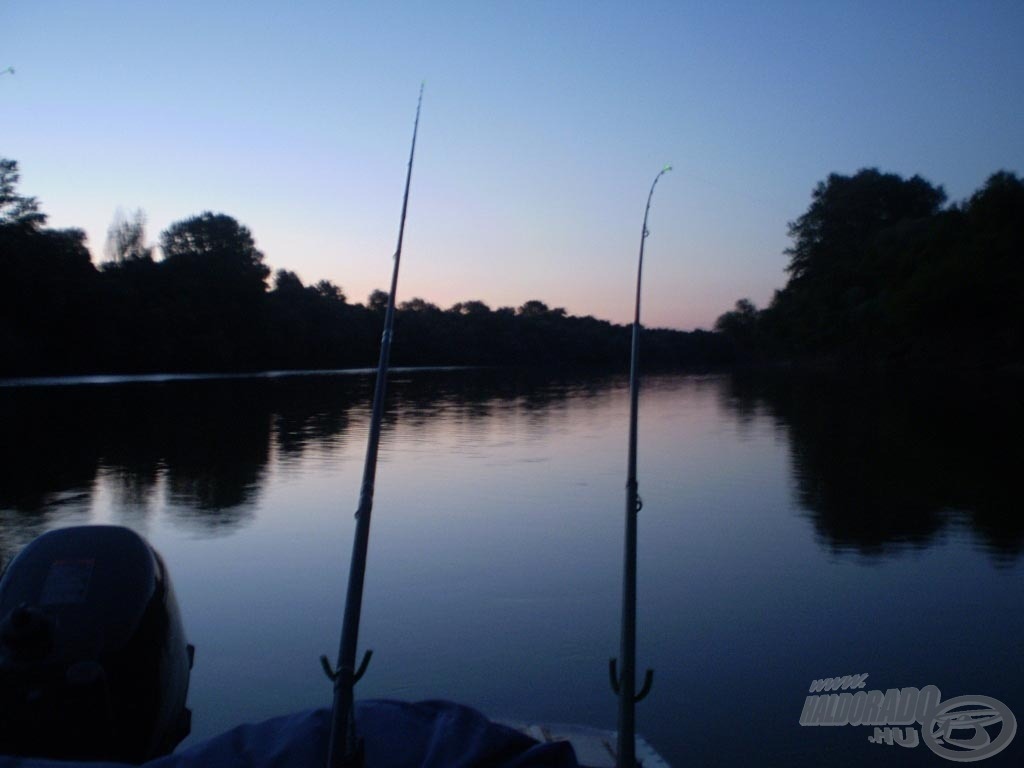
(624,685)
(345,747)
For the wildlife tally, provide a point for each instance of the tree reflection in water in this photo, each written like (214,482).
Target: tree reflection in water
(203,446)
(878,464)
(883,463)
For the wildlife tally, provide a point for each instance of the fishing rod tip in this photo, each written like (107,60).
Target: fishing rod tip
(668,167)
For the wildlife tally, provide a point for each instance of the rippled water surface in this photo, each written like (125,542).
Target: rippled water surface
(792,529)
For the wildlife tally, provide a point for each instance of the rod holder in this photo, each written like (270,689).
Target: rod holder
(333,674)
(645,689)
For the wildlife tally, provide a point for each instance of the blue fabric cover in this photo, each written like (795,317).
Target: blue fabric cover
(427,734)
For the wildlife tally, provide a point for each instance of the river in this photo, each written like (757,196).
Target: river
(793,529)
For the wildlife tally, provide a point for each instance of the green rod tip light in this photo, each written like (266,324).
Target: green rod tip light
(667,168)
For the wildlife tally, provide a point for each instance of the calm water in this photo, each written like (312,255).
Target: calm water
(792,530)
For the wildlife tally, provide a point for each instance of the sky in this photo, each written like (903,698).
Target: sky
(543,125)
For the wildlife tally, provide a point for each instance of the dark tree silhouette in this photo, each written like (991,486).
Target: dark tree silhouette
(47,284)
(476,308)
(328,290)
(830,278)
(205,307)
(378,300)
(17,210)
(286,282)
(847,211)
(126,238)
(880,273)
(741,325)
(216,281)
(534,308)
(217,247)
(416,304)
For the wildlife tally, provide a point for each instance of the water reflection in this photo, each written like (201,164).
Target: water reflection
(878,466)
(202,447)
(881,464)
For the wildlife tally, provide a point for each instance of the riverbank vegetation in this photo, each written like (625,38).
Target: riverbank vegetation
(882,272)
(210,303)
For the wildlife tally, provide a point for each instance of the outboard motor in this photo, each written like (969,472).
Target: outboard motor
(93,659)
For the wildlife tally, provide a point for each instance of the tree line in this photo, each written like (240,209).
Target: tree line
(882,271)
(207,302)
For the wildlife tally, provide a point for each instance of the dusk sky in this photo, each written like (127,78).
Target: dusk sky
(543,125)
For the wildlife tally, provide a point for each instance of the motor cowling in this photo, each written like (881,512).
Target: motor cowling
(94,664)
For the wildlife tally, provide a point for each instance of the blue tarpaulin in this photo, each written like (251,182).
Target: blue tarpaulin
(428,734)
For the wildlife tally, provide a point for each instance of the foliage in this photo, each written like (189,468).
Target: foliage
(16,210)
(215,248)
(847,211)
(205,306)
(378,300)
(880,272)
(126,238)
(740,325)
